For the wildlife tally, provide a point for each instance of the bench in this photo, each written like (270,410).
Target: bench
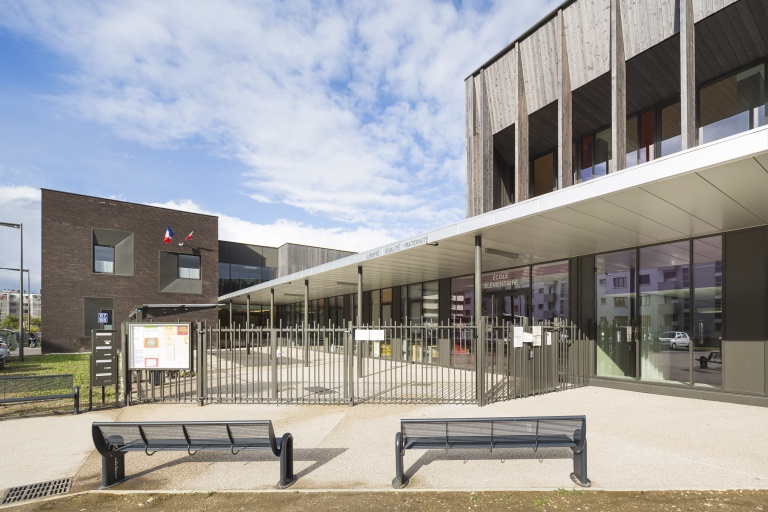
(113,440)
(714,357)
(490,433)
(31,388)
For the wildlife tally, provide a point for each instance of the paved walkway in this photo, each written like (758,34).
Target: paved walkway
(636,442)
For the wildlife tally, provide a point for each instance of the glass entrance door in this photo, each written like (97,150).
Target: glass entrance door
(507,306)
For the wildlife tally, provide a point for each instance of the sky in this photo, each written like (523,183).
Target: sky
(337,124)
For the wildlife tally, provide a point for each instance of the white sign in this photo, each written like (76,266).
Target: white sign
(369,334)
(518,337)
(549,337)
(396,247)
(159,347)
(103,318)
(536,335)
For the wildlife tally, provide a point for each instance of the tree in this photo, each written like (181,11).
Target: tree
(36,322)
(10,322)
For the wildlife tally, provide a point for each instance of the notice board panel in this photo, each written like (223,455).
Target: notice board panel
(159,346)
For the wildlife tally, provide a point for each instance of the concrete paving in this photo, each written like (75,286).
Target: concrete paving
(637,441)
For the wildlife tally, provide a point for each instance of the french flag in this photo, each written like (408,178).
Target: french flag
(189,236)
(168,234)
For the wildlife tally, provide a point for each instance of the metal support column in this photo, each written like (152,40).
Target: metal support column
(304,337)
(273,344)
(248,324)
(359,321)
(480,332)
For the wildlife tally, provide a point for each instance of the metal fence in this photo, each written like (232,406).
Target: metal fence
(398,364)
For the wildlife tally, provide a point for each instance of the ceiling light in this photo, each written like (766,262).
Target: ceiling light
(497,252)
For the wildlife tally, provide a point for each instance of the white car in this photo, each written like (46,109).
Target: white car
(675,339)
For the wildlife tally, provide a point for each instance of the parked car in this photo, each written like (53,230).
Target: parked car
(674,339)
(4,351)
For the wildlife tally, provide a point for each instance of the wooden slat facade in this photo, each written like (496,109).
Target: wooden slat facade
(595,62)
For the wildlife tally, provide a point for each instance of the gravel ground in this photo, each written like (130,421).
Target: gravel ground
(587,501)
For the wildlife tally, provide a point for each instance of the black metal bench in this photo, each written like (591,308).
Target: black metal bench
(113,440)
(490,433)
(31,388)
(713,357)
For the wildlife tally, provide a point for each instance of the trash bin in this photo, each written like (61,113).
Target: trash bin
(703,362)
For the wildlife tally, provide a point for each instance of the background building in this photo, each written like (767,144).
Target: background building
(107,256)
(9,303)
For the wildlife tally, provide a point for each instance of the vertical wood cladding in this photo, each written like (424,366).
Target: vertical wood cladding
(618,91)
(68,221)
(646,23)
(500,83)
(703,8)
(539,67)
(588,37)
(564,110)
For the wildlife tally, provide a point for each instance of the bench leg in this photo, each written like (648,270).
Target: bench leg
(287,478)
(112,469)
(579,474)
(400,479)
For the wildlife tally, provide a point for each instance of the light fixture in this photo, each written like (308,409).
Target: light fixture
(433,244)
(497,252)
(345,283)
(293,294)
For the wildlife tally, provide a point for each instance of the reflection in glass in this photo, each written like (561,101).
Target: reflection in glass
(633,141)
(587,147)
(647,136)
(665,313)
(549,295)
(375,307)
(616,347)
(732,105)
(708,310)
(430,302)
(602,152)
(671,140)
(103,259)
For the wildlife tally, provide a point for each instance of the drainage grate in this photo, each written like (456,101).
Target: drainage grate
(34,491)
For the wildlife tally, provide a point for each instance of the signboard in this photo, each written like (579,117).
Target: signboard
(518,337)
(103,358)
(159,347)
(536,335)
(104,318)
(369,334)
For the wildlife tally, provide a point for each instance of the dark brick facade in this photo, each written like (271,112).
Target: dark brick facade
(68,223)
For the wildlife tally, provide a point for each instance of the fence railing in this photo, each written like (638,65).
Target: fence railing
(406,363)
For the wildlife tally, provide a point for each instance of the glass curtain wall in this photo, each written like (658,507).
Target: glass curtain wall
(549,294)
(707,309)
(732,105)
(616,347)
(430,303)
(594,153)
(665,312)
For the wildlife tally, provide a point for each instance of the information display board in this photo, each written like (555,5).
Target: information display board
(159,347)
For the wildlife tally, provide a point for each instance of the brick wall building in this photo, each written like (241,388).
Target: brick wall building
(107,256)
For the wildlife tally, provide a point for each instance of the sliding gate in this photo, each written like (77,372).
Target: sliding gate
(385,364)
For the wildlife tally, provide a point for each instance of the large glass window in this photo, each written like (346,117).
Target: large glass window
(103,259)
(616,347)
(708,311)
(189,266)
(732,105)
(549,295)
(665,310)
(594,153)
(543,175)
(671,140)
(633,141)
(431,302)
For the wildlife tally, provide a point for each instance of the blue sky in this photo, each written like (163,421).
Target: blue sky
(338,124)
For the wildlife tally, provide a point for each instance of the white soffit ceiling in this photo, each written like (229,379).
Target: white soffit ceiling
(721,186)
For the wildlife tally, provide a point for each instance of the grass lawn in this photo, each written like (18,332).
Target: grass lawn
(55,364)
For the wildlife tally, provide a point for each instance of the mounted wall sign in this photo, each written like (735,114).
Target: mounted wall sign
(159,347)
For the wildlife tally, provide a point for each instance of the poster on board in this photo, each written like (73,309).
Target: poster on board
(159,347)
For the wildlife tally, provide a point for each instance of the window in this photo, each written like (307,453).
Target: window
(732,105)
(601,282)
(189,266)
(603,300)
(619,302)
(594,153)
(619,282)
(103,259)
(645,279)
(543,174)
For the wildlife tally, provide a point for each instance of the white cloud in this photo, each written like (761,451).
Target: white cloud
(352,111)
(19,205)
(286,231)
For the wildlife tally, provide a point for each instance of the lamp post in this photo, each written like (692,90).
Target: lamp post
(21,285)
(29,291)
